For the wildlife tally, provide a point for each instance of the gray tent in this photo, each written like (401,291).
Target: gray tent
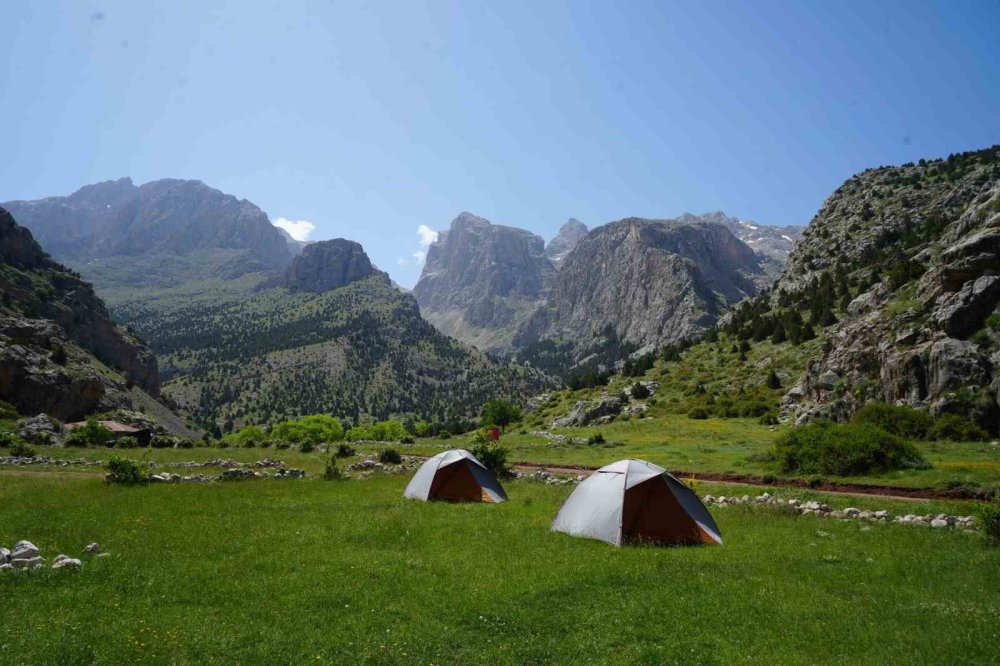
(456,476)
(633,501)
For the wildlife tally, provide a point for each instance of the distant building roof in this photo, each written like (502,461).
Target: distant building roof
(113,426)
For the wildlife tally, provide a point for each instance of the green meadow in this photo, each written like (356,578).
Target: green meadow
(292,572)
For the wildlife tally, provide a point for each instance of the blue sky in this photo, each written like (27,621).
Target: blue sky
(371,119)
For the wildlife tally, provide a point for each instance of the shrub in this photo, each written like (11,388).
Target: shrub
(500,412)
(126,442)
(162,442)
(59,355)
(306,447)
(124,472)
(768,418)
(247,437)
(185,443)
(989,516)
(389,457)
(596,439)
(493,456)
(699,413)
(844,450)
(956,429)
(332,471)
(444,434)
(90,434)
(315,429)
(406,440)
(21,450)
(8,439)
(345,450)
(895,419)
(639,391)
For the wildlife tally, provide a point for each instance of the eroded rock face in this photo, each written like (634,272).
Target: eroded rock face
(481,277)
(62,306)
(653,281)
(913,345)
(328,265)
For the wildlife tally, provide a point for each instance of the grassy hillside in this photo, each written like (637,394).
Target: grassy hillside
(317,572)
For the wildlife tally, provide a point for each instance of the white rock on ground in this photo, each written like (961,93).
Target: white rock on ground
(66,562)
(92,549)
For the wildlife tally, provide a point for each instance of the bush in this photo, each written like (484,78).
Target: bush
(596,439)
(345,450)
(246,438)
(124,472)
(844,450)
(768,418)
(315,429)
(895,419)
(8,439)
(494,458)
(639,391)
(989,516)
(126,442)
(185,443)
(383,431)
(389,457)
(956,429)
(21,450)
(332,471)
(162,442)
(699,413)
(306,447)
(500,413)
(444,434)
(90,434)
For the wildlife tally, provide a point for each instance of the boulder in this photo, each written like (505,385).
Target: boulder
(40,429)
(24,550)
(26,562)
(92,549)
(962,312)
(66,562)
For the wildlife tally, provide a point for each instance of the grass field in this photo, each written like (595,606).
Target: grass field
(349,572)
(730,445)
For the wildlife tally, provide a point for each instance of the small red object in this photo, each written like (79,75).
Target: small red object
(494,433)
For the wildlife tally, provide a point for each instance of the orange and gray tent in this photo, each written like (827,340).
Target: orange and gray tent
(455,476)
(633,501)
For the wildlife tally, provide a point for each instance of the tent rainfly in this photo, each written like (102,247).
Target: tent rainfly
(632,501)
(455,476)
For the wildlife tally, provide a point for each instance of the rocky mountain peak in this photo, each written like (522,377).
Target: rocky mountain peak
(163,217)
(569,235)
(652,281)
(328,265)
(480,279)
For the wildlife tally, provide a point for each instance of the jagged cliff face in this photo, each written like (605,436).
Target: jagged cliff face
(481,280)
(923,243)
(328,265)
(52,327)
(163,217)
(652,281)
(569,235)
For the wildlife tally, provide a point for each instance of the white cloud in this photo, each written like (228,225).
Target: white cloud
(402,263)
(420,255)
(297,229)
(427,235)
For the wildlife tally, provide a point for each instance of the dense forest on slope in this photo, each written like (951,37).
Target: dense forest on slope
(358,352)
